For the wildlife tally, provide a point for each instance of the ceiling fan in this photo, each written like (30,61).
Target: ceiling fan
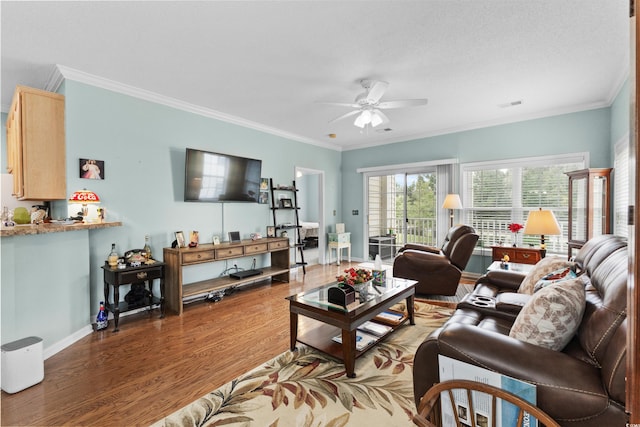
(368,105)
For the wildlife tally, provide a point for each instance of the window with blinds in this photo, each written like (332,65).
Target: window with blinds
(621,188)
(496,194)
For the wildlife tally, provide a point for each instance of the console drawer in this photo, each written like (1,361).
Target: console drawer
(517,255)
(229,252)
(527,257)
(500,252)
(255,249)
(280,244)
(141,276)
(196,257)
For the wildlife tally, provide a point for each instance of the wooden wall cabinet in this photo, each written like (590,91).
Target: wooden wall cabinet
(36,155)
(589,205)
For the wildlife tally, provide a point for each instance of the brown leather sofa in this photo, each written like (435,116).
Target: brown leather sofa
(583,384)
(437,271)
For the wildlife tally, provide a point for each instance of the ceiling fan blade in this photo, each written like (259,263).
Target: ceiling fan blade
(344,116)
(377,89)
(379,118)
(340,104)
(402,103)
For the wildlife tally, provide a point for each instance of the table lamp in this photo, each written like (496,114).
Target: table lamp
(84,197)
(452,202)
(542,222)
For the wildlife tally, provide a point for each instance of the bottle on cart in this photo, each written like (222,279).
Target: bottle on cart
(102,320)
(112,259)
(147,248)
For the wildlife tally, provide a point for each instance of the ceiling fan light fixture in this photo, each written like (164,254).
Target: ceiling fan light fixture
(376,119)
(363,119)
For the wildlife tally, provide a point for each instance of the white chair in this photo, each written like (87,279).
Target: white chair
(338,241)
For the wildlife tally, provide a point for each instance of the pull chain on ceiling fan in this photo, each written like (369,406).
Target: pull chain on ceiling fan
(368,105)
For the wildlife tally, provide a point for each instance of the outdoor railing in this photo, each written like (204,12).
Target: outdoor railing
(491,232)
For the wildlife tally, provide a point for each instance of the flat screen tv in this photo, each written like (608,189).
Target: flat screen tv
(217,177)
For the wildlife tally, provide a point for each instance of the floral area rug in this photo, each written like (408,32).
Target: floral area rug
(306,388)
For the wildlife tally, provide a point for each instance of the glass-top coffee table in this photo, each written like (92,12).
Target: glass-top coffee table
(332,323)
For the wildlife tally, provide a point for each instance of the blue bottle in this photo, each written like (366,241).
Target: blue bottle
(102,321)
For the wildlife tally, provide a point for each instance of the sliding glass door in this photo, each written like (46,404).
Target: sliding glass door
(401,209)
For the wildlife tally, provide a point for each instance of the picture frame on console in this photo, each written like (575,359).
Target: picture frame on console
(271,231)
(180,239)
(216,240)
(234,236)
(194,239)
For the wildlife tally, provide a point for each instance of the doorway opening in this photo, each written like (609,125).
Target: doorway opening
(310,185)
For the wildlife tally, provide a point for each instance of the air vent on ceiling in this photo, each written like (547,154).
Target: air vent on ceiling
(384,130)
(511,104)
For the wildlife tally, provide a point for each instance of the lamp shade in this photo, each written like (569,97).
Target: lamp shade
(84,196)
(452,201)
(363,119)
(542,222)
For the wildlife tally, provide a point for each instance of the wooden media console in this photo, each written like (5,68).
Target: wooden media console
(178,258)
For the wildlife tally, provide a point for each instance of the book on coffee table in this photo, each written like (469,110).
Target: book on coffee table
(363,340)
(374,328)
(390,317)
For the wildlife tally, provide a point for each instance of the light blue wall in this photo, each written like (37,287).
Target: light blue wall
(45,286)
(588,131)
(620,116)
(308,197)
(143,146)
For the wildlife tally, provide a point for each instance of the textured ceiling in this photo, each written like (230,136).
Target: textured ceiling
(271,64)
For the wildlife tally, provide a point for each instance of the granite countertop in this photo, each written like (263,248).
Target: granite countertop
(27,229)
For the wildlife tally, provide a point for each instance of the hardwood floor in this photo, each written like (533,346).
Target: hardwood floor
(153,367)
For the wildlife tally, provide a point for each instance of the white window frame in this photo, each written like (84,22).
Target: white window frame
(516,163)
(621,187)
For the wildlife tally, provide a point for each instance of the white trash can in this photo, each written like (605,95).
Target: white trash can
(22,364)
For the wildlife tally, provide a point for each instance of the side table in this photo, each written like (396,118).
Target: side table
(116,277)
(511,266)
(337,242)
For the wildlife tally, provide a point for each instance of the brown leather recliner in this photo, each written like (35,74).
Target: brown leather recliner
(582,384)
(437,271)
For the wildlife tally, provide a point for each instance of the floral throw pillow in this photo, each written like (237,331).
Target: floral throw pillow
(542,268)
(566,273)
(552,316)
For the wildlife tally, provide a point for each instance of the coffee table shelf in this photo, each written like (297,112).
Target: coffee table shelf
(319,335)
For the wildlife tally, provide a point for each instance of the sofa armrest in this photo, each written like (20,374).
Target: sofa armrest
(419,247)
(503,279)
(511,302)
(422,256)
(566,387)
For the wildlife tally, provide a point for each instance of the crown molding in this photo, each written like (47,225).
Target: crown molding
(61,73)
(488,124)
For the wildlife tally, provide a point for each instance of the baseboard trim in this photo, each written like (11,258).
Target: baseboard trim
(66,342)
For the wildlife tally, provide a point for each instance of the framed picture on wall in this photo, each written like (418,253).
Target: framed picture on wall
(91,169)
(264,184)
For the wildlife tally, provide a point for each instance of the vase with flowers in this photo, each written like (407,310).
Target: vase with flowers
(358,278)
(515,228)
